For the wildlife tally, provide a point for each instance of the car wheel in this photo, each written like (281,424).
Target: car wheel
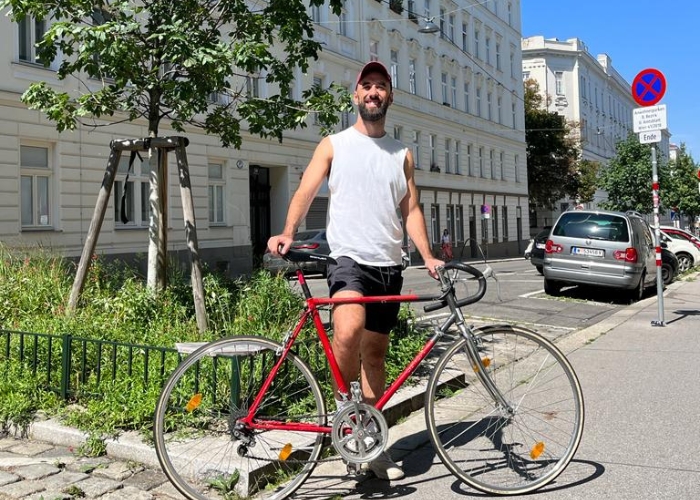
(552,288)
(667,273)
(637,293)
(540,270)
(685,262)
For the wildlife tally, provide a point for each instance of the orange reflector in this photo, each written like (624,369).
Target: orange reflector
(285,451)
(484,362)
(537,450)
(194,402)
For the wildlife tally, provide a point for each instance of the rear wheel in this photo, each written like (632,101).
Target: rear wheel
(637,292)
(505,450)
(667,273)
(552,288)
(202,444)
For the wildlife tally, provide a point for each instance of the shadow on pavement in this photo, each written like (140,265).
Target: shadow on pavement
(684,313)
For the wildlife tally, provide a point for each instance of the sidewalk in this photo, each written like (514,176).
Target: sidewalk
(641,386)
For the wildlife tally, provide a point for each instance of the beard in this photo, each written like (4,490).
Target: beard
(373,114)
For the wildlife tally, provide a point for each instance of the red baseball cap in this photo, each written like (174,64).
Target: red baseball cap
(376,67)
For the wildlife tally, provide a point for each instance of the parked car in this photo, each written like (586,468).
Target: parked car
(313,241)
(600,248)
(537,252)
(681,234)
(688,256)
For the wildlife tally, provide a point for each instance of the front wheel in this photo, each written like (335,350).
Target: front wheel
(508,450)
(201,442)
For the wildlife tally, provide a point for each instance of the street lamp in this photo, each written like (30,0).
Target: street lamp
(429,27)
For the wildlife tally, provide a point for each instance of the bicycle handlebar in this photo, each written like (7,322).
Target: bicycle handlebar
(471,299)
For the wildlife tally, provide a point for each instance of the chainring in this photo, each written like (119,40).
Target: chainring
(359,433)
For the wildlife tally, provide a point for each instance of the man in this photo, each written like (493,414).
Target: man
(370,177)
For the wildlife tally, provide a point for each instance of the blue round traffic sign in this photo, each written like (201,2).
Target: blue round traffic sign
(648,87)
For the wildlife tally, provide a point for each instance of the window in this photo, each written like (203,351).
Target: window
(513,112)
(504,222)
(498,56)
(35,185)
(451,222)
(435,222)
(499,109)
(412,76)
(516,167)
(318,82)
(481,162)
(487,43)
(491,165)
(466,97)
(559,82)
(217,188)
(451,27)
(443,80)
(512,65)
(489,106)
(443,31)
(429,82)
(459,225)
(458,168)
(453,91)
(428,9)
(343,23)
(373,50)
(136,192)
(476,44)
(316,13)
(433,154)
(478,100)
(510,14)
(394,68)
(470,165)
(397,132)
(31,31)
(501,167)
(526,76)
(448,156)
(416,148)
(465,38)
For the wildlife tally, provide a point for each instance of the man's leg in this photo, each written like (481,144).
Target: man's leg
(348,327)
(373,368)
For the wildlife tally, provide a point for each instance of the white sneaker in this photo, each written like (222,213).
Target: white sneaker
(385,468)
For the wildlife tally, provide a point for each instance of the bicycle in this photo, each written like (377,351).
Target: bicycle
(504,409)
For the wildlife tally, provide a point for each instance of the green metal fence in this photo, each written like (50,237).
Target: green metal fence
(74,366)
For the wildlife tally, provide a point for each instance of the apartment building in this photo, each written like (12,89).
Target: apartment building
(458,105)
(593,97)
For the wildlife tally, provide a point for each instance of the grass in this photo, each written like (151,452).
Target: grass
(115,305)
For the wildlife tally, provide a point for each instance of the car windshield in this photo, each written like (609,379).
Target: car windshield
(605,227)
(306,235)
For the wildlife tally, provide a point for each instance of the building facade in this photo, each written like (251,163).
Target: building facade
(593,97)
(458,105)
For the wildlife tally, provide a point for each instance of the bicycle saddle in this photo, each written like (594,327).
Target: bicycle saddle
(299,256)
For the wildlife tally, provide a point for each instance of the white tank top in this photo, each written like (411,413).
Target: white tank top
(367,182)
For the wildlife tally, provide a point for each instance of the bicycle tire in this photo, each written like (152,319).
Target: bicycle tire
(208,392)
(478,442)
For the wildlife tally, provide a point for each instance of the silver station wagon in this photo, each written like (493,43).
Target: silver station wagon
(600,248)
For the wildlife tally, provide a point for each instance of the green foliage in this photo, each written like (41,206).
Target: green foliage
(628,177)
(682,188)
(585,182)
(164,59)
(551,153)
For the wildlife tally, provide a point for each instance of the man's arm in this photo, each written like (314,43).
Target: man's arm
(414,220)
(311,181)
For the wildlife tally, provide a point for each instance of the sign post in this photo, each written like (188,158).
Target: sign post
(648,87)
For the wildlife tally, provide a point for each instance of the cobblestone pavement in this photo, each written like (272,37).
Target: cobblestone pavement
(37,470)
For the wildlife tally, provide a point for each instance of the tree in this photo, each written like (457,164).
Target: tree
(584,182)
(628,177)
(551,152)
(191,62)
(682,190)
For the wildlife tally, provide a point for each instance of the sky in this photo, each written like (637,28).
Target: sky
(636,35)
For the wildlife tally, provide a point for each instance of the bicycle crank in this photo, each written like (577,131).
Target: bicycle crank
(359,433)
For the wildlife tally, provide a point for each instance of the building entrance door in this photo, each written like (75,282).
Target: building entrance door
(259,209)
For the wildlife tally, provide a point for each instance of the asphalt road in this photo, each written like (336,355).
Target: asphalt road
(517,296)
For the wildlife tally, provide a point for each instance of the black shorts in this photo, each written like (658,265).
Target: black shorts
(369,281)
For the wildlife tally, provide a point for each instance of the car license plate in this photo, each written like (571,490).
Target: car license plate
(541,245)
(589,252)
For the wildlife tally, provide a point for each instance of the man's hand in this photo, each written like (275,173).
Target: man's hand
(431,264)
(281,240)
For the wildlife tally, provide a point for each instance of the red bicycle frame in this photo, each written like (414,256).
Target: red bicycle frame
(312,310)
